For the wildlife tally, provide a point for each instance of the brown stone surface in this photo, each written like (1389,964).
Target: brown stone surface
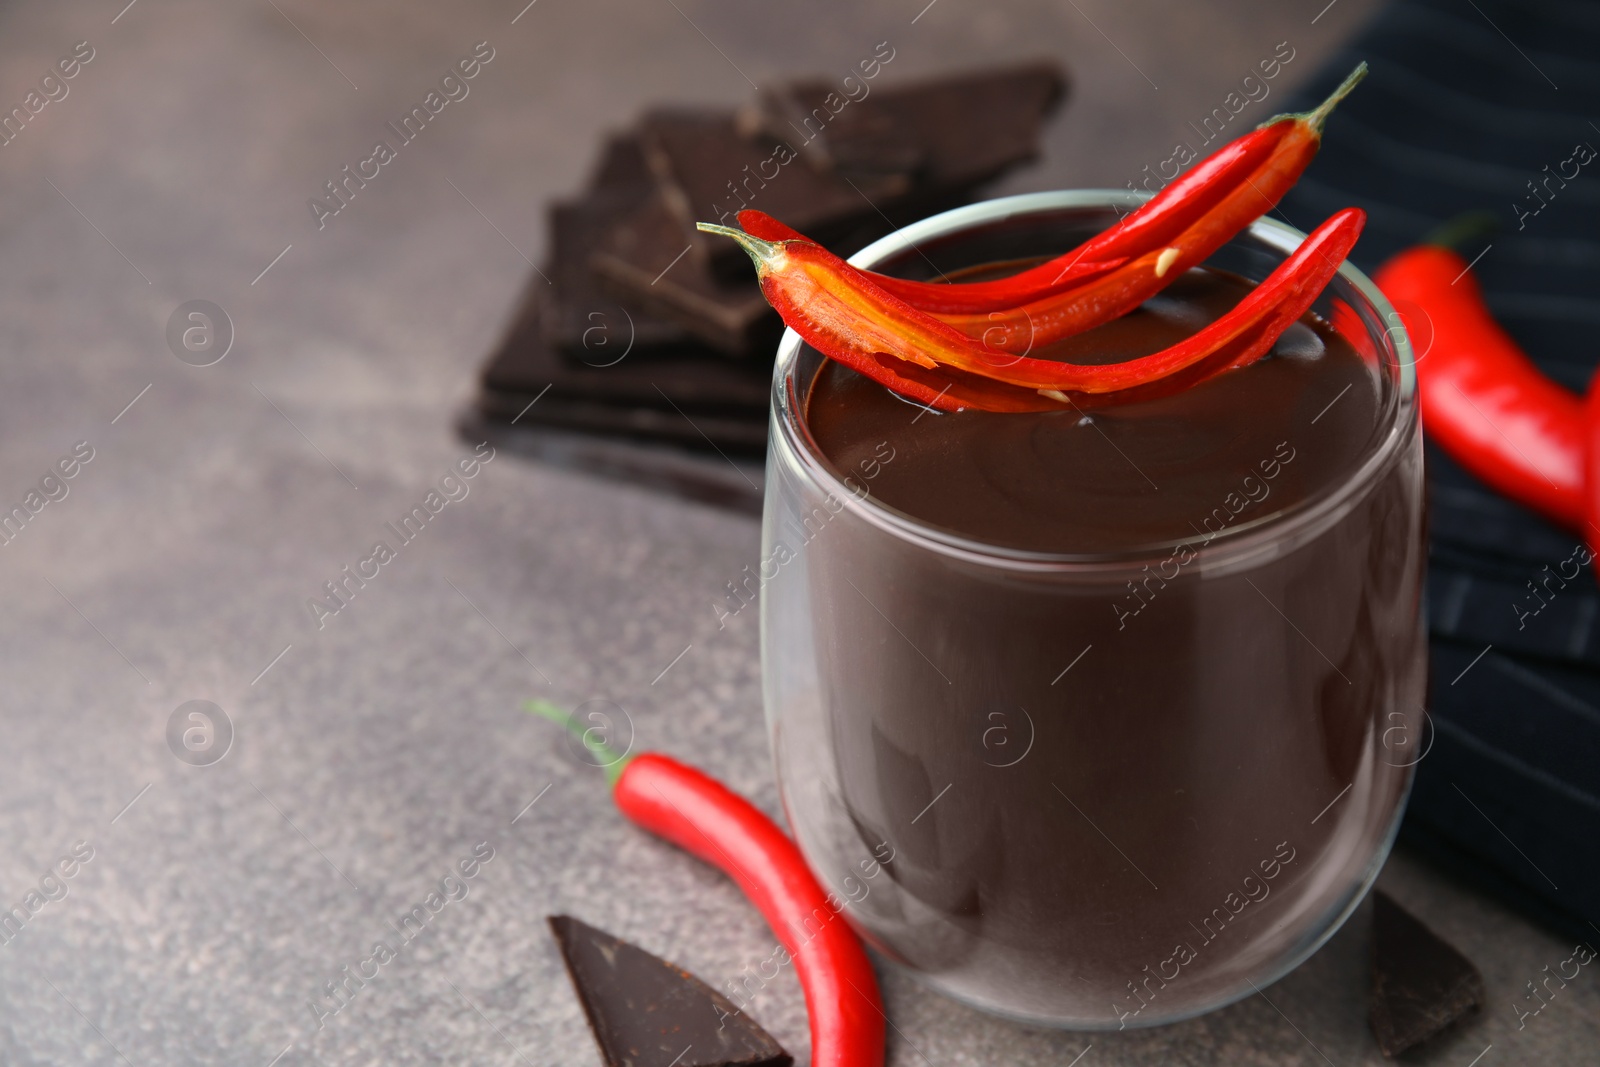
(372,757)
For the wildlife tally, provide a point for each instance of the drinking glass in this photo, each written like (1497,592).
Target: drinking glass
(1061,819)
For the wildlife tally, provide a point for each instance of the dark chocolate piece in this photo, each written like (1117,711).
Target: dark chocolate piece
(578,309)
(646,1012)
(709,172)
(647,261)
(621,164)
(803,115)
(672,392)
(954,133)
(699,476)
(973,128)
(900,153)
(631,340)
(1420,984)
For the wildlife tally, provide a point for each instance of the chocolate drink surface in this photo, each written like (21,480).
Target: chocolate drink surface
(1118,691)
(1233,451)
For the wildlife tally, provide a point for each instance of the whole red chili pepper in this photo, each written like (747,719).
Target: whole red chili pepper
(1482,399)
(704,817)
(1591,469)
(844,315)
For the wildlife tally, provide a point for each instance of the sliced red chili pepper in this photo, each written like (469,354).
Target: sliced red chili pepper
(1115,293)
(946,389)
(1062,273)
(702,816)
(847,317)
(1482,399)
(1226,191)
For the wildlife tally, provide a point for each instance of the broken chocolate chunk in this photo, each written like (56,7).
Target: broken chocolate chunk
(621,164)
(579,316)
(954,133)
(661,392)
(826,164)
(646,1012)
(800,114)
(646,260)
(617,360)
(709,172)
(1420,984)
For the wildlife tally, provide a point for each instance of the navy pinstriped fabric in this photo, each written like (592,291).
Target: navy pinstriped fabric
(1483,104)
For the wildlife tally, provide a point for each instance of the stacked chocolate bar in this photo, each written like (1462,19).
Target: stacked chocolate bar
(639,326)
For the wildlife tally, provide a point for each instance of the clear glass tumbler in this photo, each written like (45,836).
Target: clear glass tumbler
(1172,813)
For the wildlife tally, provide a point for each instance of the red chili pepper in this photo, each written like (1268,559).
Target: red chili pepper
(844,315)
(1131,261)
(1482,399)
(1058,275)
(1159,220)
(1119,291)
(702,816)
(945,389)
(849,319)
(1591,468)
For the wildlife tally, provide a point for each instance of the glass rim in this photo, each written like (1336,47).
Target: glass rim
(1397,418)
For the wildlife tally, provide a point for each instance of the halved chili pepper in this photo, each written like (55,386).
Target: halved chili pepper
(702,816)
(1221,195)
(945,389)
(1482,399)
(1116,292)
(1057,275)
(846,316)
(1164,216)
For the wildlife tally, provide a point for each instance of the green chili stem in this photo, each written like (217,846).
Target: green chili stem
(765,253)
(610,760)
(1464,230)
(1318,116)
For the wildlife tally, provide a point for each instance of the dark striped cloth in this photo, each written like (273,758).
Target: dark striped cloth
(1486,104)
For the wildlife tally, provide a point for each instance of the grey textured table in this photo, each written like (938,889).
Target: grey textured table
(371,755)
